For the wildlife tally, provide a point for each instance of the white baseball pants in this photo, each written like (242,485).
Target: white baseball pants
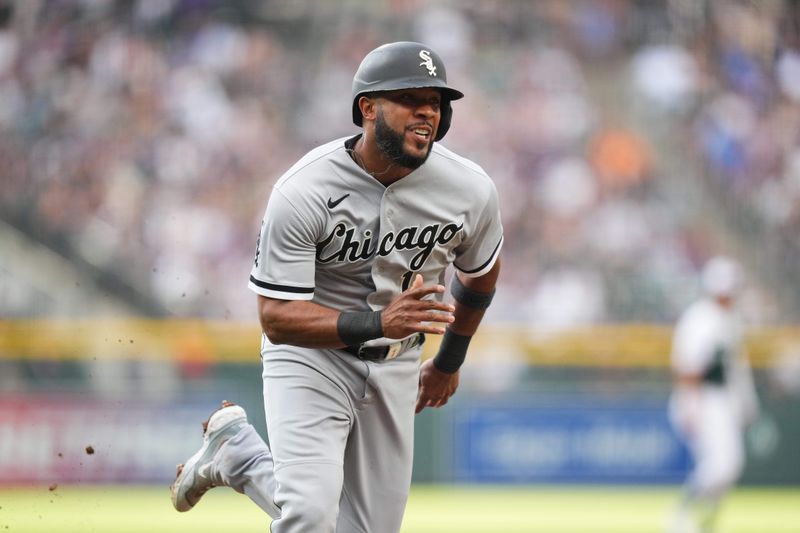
(710,423)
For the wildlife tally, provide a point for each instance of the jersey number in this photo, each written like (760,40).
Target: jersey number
(406,281)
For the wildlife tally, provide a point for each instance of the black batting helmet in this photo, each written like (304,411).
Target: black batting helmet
(404,65)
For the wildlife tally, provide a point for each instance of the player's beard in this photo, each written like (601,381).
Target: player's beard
(391,142)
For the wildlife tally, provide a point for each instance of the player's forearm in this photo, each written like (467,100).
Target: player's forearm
(468,318)
(299,323)
(472,297)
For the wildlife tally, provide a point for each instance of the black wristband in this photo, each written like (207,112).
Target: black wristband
(452,352)
(468,297)
(359,326)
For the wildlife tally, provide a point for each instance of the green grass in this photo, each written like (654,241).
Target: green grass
(435,509)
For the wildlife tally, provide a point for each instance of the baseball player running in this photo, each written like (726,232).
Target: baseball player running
(713,397)
(349,273)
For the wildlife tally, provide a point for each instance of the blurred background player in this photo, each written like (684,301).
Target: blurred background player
(713,398)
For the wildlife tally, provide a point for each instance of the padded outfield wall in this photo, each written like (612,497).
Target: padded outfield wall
(122,401)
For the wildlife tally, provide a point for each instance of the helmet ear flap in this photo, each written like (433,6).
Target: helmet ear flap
(358,118)
(444,121)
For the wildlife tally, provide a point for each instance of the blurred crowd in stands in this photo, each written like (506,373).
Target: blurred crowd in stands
(629,140)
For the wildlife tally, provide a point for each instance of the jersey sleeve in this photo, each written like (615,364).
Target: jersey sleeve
(478,252)
(285,254)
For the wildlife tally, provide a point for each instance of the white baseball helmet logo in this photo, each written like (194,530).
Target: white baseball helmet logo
(427,62)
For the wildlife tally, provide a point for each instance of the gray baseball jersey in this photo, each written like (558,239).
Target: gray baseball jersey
(341,429)
(335,235)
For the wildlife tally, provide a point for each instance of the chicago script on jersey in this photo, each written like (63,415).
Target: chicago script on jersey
(342,245)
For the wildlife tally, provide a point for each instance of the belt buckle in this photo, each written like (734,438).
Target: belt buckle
(362,352)
(393,350)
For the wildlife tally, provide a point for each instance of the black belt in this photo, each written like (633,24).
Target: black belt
(390,351)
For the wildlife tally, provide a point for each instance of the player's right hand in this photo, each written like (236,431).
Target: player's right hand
(411,312)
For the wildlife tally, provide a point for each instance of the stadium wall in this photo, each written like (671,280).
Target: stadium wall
(121,402)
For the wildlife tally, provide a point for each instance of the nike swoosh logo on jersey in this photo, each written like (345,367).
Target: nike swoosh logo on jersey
(332,203)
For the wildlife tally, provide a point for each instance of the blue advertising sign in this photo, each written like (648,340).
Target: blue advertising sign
(578,441)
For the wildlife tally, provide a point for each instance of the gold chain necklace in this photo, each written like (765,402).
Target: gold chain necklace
(360,162)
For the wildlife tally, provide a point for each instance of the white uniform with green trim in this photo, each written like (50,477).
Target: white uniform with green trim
(340,428)
(707,342)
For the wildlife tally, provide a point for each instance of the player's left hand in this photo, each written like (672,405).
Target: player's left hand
(435,387)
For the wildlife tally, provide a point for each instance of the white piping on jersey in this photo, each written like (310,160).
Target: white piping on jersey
(484,268)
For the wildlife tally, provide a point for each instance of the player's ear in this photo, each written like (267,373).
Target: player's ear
(368,107)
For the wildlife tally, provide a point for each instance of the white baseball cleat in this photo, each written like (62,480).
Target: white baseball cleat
(193,478)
